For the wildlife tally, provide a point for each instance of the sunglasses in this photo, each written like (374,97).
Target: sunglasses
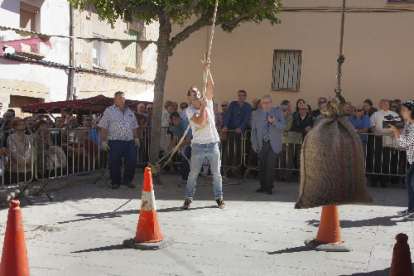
(321,101)
(394,106)
(358,110)
(303,109)
(182,107)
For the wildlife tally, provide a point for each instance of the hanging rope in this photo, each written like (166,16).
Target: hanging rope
(341,57)
(210,46)
(155,168)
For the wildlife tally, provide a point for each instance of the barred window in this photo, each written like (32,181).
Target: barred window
(286,70)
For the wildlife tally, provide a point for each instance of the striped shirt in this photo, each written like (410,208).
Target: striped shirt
(119,125)
(406,140)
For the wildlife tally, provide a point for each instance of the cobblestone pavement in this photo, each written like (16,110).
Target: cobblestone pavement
(81,232)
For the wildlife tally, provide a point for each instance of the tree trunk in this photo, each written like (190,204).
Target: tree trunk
(162,68)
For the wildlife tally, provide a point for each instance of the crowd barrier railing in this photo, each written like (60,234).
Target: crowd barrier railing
(383,156)
(54,153)
(17,158)
(62,152)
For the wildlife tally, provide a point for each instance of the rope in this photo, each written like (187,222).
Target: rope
(341,57)
(172,152)
(210,46)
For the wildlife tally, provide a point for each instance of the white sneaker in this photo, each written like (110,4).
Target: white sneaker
(409,217)
(404,213)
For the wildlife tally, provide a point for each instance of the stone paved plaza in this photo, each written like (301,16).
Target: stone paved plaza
(82,231)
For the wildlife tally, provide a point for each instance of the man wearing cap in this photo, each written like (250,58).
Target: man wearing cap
(120,137)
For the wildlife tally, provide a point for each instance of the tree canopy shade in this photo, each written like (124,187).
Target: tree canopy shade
(191,15)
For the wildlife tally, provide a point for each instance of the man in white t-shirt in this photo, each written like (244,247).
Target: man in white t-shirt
(205,142)
(384,143)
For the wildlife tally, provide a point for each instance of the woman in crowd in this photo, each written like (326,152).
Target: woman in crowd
(43,144)
(405,138)
(21,154)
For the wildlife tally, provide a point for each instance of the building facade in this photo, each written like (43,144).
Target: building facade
(99,67)
(297,58)
(25,83)
(132,62)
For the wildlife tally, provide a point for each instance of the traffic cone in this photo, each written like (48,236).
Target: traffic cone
(401,257)
(148,235)
(329,232)
(148,229)
(329,229)
(14,258)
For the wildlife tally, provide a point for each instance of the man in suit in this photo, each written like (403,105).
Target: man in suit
(266,140)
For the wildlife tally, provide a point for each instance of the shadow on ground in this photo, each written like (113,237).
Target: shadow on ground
(290,250)
(86,217)
(382,221)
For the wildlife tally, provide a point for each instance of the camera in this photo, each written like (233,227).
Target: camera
(395,121)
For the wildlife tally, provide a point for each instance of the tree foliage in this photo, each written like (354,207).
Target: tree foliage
(230,14)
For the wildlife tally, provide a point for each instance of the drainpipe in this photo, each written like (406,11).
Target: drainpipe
(71,71)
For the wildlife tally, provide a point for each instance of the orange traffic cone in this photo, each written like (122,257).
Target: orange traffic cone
(401,257)
(148,235)
(329,232)
(148,229)
(14,259)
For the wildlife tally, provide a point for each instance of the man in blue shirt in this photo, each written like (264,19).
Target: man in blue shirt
(361,123)
(237,118)
(179,128)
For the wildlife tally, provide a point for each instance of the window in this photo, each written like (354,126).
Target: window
(286,70)
(134,52)
(28,20)
(134,58)
(100,54)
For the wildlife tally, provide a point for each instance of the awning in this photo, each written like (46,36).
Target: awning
(96,104)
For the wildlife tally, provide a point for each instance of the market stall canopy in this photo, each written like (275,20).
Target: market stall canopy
(96,104)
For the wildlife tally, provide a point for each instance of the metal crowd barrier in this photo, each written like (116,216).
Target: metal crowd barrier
(55,153)
(60,152)
(17,159)
(49,153)
(381,159)
(232,150)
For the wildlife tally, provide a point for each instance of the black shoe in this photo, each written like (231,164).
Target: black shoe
(269,192)
(220,203)
(187,203)
(260,190)
(114,187)
(130,185)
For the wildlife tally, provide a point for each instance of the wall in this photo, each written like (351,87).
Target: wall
(377,46)
(87,24)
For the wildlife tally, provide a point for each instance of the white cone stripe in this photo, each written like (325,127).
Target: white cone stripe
(148,201)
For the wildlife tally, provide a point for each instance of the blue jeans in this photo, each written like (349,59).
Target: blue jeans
(409,181)
(185,166)
(119,149)
(198,152)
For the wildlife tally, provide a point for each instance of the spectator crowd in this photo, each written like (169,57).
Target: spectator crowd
(73,144)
